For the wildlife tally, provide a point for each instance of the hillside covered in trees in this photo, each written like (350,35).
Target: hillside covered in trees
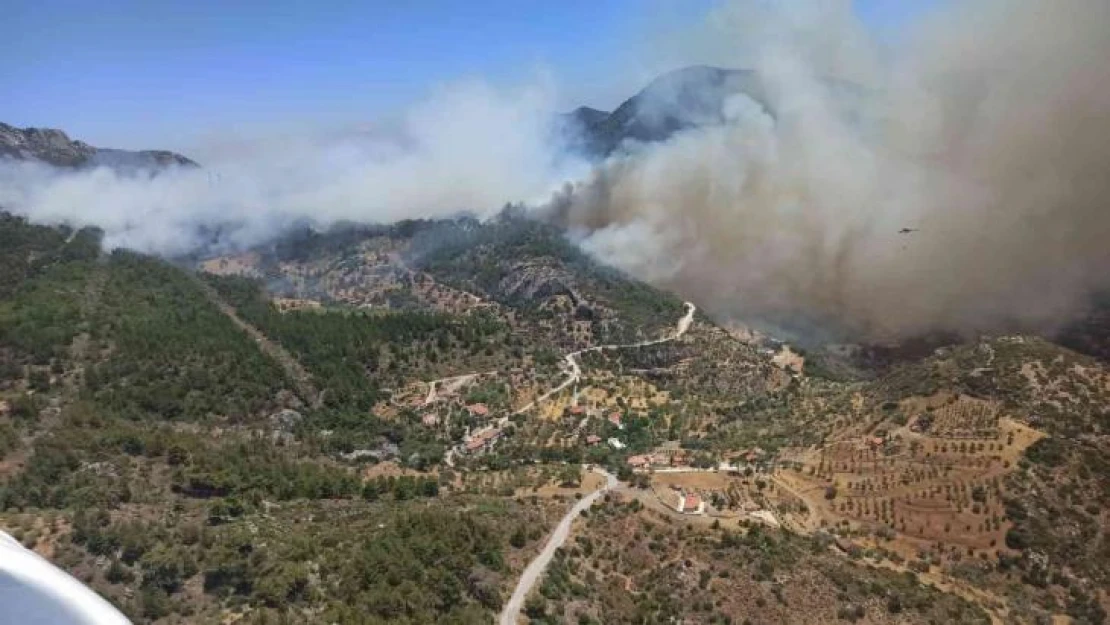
(381,424)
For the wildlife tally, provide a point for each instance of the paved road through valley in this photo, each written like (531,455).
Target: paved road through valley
(537,566)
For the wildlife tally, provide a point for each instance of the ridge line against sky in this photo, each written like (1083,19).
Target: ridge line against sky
(136,74)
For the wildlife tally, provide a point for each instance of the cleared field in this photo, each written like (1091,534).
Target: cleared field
(915,490)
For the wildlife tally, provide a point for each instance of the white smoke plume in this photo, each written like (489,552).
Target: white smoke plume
(470,147)
(988,134)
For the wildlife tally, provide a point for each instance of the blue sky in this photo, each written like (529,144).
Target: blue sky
(155,73)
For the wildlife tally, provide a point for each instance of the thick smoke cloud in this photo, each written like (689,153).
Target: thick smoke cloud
(468,148)
(989,134)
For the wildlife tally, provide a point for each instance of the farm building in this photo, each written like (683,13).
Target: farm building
(689,503)
(481,440)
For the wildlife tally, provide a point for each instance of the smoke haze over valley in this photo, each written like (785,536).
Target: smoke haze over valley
(608,312)
(987,136)
(468,148)
(777,200)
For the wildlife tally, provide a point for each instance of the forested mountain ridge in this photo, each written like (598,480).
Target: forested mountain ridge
(152,447)
(143,433)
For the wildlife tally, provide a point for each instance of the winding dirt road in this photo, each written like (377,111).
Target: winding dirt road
(573,370)
(537,566)
(450,385)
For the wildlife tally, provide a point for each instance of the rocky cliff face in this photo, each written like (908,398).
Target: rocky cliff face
(690,97)
(685,98)
(54,147)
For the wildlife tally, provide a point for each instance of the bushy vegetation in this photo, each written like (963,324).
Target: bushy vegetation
(24,249)
(1056,505)
(173,354)
(351,354)
(40,318)
(485,257)
(43,274)
(348,562)
(765,575)
(167,456)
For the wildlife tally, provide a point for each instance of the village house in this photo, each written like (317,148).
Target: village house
(615,443)
(639,462)
(746,458)
(478,410)
(482,440)
(615,419)
(689,503)
(577,410)
(670,457)
(593,439)
(430,420)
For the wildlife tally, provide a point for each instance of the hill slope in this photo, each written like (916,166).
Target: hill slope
(157,439)
(54,147)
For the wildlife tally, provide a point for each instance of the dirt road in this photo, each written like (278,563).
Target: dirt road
(298,376)
(573,370)
(811,501)
(450,385)
(537,566)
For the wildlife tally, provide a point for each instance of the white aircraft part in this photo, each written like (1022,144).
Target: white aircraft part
(35,592)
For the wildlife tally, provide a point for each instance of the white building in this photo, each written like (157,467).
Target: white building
(689,503)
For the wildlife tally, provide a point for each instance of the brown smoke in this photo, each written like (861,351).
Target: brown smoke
(989,134)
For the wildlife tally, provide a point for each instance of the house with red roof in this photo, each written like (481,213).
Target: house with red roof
(481,440)
(689,503)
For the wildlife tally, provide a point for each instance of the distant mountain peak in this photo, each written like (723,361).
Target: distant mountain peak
(678,100)
(54,147)
(588,115)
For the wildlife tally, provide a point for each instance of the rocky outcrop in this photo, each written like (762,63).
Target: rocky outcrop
(43,144)
(686,98)
(538,280)
(54,147)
